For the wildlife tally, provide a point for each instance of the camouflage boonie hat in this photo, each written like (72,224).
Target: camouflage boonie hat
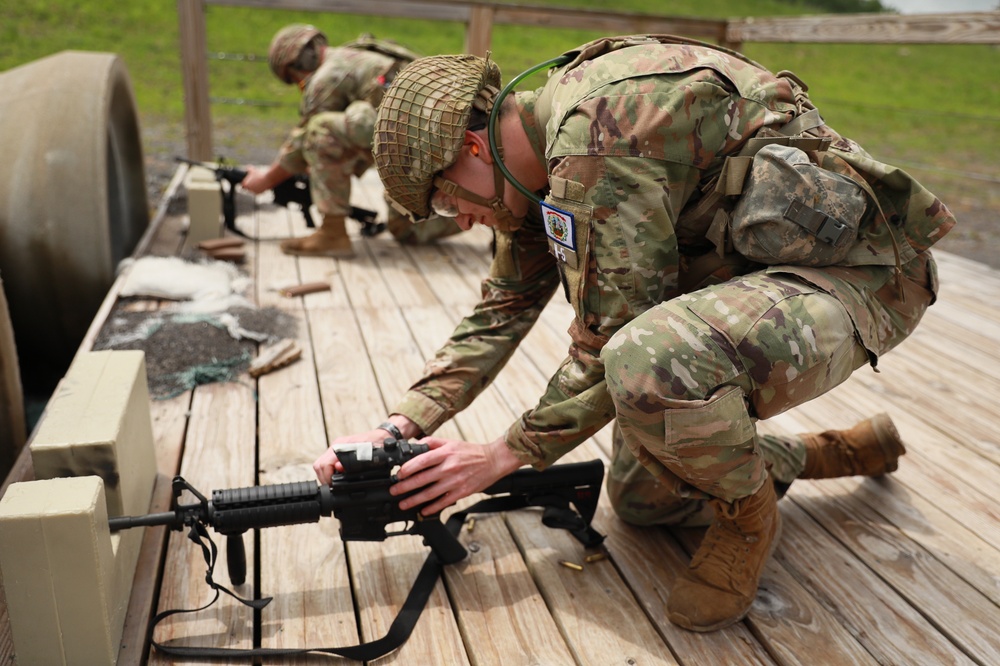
(422,120)
(286,46)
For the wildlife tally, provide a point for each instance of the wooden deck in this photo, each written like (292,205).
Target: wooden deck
(902,570)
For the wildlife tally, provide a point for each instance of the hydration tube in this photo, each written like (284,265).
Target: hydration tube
(495,113)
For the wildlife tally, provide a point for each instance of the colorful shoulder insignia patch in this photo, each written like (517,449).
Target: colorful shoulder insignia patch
(559,226)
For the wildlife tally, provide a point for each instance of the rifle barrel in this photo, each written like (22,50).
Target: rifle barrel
(170,518)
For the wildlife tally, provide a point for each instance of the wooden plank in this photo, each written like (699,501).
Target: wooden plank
(934,447)
(971,405)
(383,573)
(525,377)
(169,418)
(953,28)
(959,548)
(964,615)
(430,10)
(465,11)
(609,22)
(519,630)
(917,574)
(578,604)
(503,617)
(303,567)
(575,602)
(218,454)
(650,579)
(890,629)
(594,608)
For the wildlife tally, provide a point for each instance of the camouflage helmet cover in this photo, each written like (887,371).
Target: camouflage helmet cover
(422,120)
(287,45)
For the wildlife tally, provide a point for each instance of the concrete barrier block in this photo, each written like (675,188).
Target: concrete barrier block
(62,573)
(98,422)
(67,578)
(204,205)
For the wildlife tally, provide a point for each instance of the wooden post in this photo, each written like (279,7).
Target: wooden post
(729,36)
(194,70)
(479,30)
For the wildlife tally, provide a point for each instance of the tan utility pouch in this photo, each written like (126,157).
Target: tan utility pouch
(794,212)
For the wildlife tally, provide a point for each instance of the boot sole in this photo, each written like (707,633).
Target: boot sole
(684,623)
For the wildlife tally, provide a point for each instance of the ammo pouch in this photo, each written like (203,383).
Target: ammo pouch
(794,212)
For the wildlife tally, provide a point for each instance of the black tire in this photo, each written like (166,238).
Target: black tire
(73,199)
(12,426)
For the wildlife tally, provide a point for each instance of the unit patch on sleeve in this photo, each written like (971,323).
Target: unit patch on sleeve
(561,232)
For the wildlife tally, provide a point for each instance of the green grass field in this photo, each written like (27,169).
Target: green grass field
(935,109)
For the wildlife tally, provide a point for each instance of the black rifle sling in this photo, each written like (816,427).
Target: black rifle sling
(557,514)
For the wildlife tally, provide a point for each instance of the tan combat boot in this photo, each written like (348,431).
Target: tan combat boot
(329,240)
(871,448)
(721,582)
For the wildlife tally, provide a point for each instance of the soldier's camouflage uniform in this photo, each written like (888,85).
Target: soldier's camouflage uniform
(686,358)
(333,139)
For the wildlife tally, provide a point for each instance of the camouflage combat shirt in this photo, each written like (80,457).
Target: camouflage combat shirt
(347,74)
(630,132)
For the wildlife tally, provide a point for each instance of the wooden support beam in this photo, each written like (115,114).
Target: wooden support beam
(957,28)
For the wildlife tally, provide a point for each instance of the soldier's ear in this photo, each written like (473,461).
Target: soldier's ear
(477,146)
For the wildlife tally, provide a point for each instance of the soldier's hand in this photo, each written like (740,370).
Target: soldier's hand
(451,470)
(256,181)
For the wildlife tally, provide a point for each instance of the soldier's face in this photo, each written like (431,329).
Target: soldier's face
(474,172)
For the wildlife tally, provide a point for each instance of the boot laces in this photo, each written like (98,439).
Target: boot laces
(725,548)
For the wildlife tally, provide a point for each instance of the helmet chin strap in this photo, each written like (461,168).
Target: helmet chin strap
(505,219)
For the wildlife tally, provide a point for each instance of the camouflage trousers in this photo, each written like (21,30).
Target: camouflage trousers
(691,376)
(334,150)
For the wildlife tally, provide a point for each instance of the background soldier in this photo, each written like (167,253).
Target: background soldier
(341,86)
(727,255)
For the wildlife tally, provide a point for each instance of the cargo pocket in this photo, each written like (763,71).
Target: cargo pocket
(707,440)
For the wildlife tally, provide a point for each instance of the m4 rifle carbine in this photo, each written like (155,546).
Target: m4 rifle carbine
(294,189)
(359,498)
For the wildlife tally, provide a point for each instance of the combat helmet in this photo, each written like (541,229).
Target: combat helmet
(421,123)
(287,45)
